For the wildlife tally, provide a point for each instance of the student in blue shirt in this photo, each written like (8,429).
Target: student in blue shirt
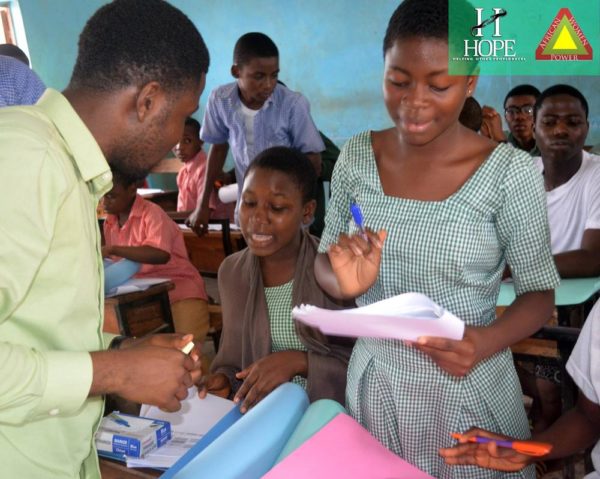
(252,114)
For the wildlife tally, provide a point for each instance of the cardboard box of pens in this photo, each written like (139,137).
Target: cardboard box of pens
(133,436)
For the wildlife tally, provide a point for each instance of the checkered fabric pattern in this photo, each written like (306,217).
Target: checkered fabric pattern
(283,332)
(454,251)
(19,84)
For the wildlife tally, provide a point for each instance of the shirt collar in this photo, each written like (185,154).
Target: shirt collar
(85,151)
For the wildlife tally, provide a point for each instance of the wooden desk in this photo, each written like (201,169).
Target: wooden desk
(207,252)
(167,200)
(140,313)
(110,469)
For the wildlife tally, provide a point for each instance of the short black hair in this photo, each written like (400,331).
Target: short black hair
(133,42)
(425,19)
(561,89)
(10,50)
(522,90)
(195,124)
(123,179)
(291,162)
(471,115)
(253,45)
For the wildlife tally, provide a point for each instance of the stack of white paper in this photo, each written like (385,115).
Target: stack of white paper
(195,418)
(407,316)
(134,285)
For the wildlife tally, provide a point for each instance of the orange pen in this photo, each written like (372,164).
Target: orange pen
(529,448)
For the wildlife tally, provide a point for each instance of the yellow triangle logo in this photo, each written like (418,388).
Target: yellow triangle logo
(565,40)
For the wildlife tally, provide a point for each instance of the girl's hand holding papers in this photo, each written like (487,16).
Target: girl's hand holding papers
(454,357)
(355,261)
(264,375)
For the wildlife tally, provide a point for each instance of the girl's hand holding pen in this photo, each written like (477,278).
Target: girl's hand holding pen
(355,260)
(490,455)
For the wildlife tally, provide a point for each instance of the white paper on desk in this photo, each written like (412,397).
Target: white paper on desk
(407,316)
(211,227)
(149,191)
(195,418)
(135,284)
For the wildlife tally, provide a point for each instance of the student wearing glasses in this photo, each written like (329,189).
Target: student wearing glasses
(518,113)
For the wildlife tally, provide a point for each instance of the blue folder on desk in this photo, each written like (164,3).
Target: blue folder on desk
(249,448)
(570,292)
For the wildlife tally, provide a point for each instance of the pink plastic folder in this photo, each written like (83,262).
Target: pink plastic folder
(343,448)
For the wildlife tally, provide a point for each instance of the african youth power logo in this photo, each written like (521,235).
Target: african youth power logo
(564,40)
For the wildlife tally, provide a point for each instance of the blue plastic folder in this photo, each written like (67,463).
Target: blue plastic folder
(117,272)
(225,423)
(250,447)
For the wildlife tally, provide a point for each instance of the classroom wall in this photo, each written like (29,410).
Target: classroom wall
(330,50)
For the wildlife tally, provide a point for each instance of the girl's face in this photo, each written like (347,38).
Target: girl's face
(272,212)
(422,99)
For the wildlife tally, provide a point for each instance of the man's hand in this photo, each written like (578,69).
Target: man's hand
(146,374)
(175,341)
(264,375)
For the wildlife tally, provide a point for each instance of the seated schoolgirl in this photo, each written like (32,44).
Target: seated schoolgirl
(261,346)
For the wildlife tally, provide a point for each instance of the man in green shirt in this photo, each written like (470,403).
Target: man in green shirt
(139,73)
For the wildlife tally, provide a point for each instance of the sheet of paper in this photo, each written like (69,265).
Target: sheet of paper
(407,316)
(135,284)
(211,227)
(149,191)
(343,448)
(188,425)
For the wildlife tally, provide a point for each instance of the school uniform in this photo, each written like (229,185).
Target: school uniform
(149,225)
(190,183)
(584,367)
(284,120)
(454,251)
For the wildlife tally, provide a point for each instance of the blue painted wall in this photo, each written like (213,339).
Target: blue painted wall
(330,50)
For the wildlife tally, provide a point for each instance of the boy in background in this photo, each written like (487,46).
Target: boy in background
(518,113)
(139,230)
(250,115)
(190,179)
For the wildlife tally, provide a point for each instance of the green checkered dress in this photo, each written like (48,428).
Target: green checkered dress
(283,332)
(454,251)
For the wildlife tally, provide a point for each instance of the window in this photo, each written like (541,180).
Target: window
(12,29)
(7,34)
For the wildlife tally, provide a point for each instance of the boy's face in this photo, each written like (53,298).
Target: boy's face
(561,127)
(256,80)
(119,199)
(189,145)
(518,112)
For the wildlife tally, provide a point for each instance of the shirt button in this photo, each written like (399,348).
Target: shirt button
(53,412)
(106,176)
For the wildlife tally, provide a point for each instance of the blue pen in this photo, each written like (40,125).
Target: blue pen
(358,218)
(119,420)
